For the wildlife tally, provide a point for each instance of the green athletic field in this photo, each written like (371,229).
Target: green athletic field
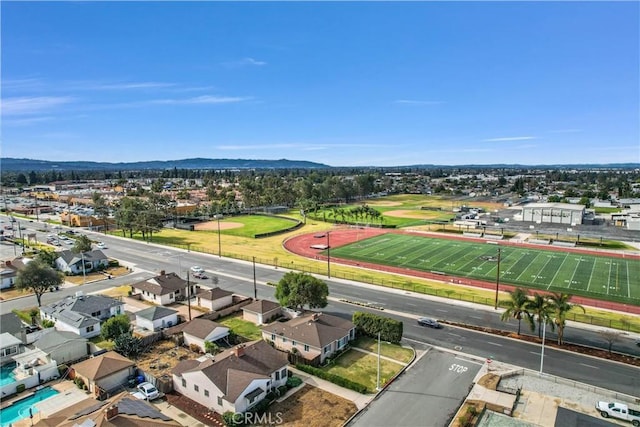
(601,277)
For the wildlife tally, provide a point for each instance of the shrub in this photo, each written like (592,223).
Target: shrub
(271,396)
(114,263)
(46,323)
(282,390)
(261,406)
(293,382)
(20,388)
(344,382)
(195,348)
(80,383)
(62,369)
(228,419)
(370,324)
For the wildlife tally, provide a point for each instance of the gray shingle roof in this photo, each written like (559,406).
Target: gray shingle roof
(56,339)
(200,328)
(76,310)
(213,294)
(261,306)
(74,257)
(162,284)
(317,333)
(155,313)
(11,323)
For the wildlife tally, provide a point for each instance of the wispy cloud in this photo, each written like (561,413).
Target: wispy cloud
(26,121)
(204,99)
(416,102)
(131,85)
(303,146)
(22,84)
(509,138)
(245,62)
(31,105)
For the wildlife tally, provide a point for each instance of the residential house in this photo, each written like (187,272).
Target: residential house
(105,372)
(63,346)
(234,380)
(9,346)
(9,271)
(121,410)
(214,299)
(156,318)
(314,336)
(82,314)
(261,311)
(10,323)
(198,331)
(79,263)
(164,289)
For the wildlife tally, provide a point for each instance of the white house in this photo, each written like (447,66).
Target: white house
(79,263)
(214,299)
(156,318)
(198,331)
(9,346)
(82,314)
(9,271)
(164,289)
(63,346)
(261,311)
(234,380)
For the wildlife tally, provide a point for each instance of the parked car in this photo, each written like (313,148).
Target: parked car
(148,390)
(431,323)
(620,411)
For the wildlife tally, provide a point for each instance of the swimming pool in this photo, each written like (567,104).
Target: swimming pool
(5,374)
(20,408)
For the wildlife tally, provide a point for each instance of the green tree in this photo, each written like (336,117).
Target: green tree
(82,244)
(295,290)
(210,347)
(540,311)
(516,306)
(561,306)
(38,278)
(101,209)
(115,326)
(128,345)
(47,257)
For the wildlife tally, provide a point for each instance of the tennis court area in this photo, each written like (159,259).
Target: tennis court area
(600,277)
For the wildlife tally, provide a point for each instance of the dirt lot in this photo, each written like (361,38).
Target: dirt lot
(163,357)
(313,407)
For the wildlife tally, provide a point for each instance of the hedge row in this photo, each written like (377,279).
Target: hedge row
(344,382)
(371,324)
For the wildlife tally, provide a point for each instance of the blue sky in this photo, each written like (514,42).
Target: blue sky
(345,84)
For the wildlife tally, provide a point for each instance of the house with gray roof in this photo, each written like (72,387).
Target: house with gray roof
(198,331)
(164,289)
(78,263)
(214,298)
(82,314)
(63,346)
(234,380)
(261,311)
(10,323)
(9,271)
(9,346)
(156,318)
(314,336)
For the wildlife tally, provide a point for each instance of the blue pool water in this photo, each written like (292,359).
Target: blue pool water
(20,408)
(5,374)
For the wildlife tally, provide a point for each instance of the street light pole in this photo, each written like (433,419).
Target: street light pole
(328,256)
(84,270)
(544,331)
(255,289)
(495,307)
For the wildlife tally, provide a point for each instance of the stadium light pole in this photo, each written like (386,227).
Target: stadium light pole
(495,307)
(328,256)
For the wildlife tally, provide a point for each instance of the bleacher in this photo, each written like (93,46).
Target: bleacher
(539,241)
(493,236)
(564,244)
(467,234)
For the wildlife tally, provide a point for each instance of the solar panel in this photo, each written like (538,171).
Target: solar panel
(140,408)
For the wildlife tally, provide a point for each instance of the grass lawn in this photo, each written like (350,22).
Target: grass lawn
(242,327)
(256,224)
(392,351)
(600,277)
(362,368)
(102,343)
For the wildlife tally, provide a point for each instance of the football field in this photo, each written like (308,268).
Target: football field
(600,277)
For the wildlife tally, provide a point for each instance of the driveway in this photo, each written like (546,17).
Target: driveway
(428,394)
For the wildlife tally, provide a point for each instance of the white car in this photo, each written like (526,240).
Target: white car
(196,269)
(148,391)
(101,245)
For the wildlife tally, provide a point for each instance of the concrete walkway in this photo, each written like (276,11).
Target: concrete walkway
(360,400)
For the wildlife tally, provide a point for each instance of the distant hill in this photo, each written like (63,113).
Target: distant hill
(12,164)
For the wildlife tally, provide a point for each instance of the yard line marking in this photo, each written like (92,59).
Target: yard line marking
(589,366)
(557,271)
(494,343)
(609,276)
(592,270)
(549,258)
(574,273)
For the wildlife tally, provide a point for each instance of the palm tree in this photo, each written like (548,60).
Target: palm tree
(516,306)
(540,310)
(560,307)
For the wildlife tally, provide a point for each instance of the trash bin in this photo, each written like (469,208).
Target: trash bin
(140,379)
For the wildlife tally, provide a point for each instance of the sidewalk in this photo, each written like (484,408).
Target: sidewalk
(360,400)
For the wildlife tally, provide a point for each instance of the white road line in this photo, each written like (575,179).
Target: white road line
(494,343)
(412,305)
(589,366)
(476,317)
(537,353)
(469,361)
(443,311)
(455,335)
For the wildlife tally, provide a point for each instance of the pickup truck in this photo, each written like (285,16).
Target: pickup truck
(620,411)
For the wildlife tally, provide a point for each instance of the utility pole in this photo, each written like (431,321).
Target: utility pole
(495,307)
(328,256)
(84,269)
(219,241)
(544,331)
(189,295)
(255,289)
(378,376)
